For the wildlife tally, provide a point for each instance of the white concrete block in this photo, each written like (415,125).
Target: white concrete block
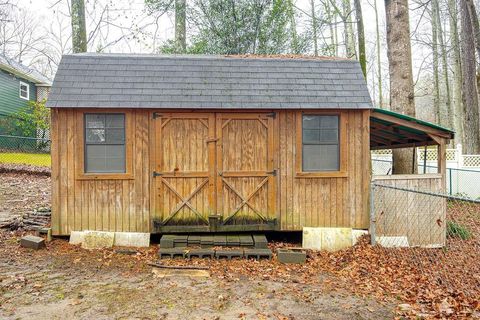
(77,237)
(330,239)
(393,242)
(98,239)
(132,239)
(357,234)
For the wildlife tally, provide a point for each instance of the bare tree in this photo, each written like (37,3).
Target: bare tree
(79,28)
(361,37)
(401,76)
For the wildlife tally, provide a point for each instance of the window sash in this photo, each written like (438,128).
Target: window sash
(24,90)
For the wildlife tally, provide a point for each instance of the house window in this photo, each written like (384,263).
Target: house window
(320,143)
(24,90)
(105,143)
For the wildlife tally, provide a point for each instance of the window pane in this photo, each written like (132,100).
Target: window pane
(116,165)
(311,136)
(320,158)
(115,151)
(95,120)
(311,122)
(329,136)
(329,122)
(115,136)
(95,135)
(115,121)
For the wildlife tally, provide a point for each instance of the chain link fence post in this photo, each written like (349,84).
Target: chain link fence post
(372,214)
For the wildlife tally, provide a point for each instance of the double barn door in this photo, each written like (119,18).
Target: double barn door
(214,164)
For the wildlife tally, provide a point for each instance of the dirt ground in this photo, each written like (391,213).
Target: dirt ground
(71,283)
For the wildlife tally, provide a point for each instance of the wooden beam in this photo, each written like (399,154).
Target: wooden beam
(404,145)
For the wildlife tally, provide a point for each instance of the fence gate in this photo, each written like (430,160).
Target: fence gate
(245,168)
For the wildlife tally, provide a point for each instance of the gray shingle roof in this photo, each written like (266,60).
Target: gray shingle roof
(207,82)
(21,70)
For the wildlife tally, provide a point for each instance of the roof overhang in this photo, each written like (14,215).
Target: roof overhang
(392,130)
(23,75)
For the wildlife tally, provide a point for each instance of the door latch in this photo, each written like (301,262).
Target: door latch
(157,174)
(273,172)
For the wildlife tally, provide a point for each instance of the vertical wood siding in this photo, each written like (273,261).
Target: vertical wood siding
(128,204)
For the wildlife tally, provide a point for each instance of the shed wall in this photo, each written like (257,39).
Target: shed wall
(125,204)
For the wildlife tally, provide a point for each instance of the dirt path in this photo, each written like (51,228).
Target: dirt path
(61,283)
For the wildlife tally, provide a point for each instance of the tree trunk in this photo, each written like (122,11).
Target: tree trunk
(295,47)
(79,29)
(314,27)
(362,57)
(446,113)
(401,76)
(180,26)
(379,61)
(471,137)
(436,85)
(457,72)
(348,30)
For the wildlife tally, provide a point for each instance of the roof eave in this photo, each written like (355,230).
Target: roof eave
(24,75)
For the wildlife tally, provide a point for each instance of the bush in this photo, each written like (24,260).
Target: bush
(456,230)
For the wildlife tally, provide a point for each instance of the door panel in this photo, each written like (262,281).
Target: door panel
(184,168)
(245,181)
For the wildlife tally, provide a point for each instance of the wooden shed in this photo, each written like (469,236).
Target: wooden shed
(148,143)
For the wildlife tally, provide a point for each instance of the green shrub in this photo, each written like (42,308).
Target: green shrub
(456,230)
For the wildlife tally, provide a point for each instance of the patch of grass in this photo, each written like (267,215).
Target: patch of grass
(456,230)
(43,160)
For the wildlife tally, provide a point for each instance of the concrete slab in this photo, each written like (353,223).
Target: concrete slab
(393,242)
(233,240)
(32,242)
(98,239)
(200,253)
(77,237)
(228,254)
(171,253)
(291,255)
(193,239)
(357,234)
(180,240)
(220,240)
(260,241)
(166,241)
(246,240)
(206,241)
(132,239)
(330,239)
(258,253)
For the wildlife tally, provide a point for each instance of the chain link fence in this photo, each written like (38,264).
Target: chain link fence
(16,150)
(433,235)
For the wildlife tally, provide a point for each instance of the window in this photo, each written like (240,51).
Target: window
(24,90)
(320,143)
(105,143)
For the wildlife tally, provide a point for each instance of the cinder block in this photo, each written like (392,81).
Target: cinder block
(32,242)
(260,241)
(206,241)
(258,253)
(132,239)
(291,255)
(171,253)
(166,241)
(193,240)
(246,240)
(98,239)
(229,254)
(220,240)
(77,237)
(180,240)
(233,240)
(200,253)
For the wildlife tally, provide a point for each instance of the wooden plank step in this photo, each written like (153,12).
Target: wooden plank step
(246,240)
(220,240)
(260,241)
(233,240)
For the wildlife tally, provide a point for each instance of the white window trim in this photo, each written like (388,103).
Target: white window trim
(20,90)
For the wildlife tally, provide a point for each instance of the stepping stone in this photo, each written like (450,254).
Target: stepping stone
(200,253)
(32,242)
(229,254)
(193,240)
(246,240)
(171,253)
(220,240)
(291,255)
(233,240)
(258,254)
(166,241)
(260,241)
(206,241)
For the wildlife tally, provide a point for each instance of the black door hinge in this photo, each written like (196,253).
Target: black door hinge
(156,115)
(273,173)
(157,174)
(272,115)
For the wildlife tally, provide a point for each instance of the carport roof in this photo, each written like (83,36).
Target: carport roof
(390,130)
